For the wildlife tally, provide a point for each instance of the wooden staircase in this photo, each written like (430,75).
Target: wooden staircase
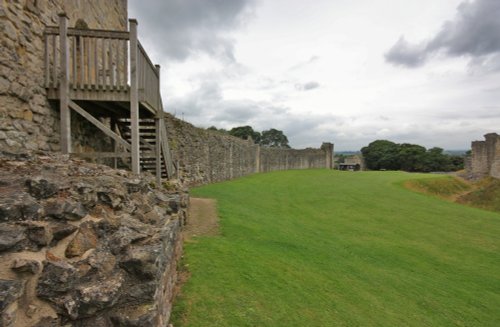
(148,141)
(108,74)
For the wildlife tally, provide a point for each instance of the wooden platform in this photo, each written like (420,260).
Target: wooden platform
(103,73)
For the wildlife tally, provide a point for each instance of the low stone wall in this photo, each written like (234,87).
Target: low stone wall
(85,245)
(485,157)
(204,156)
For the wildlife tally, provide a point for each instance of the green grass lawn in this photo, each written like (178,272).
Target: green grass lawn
(328,248)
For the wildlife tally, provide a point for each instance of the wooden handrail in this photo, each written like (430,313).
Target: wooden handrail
(149,79)
(92,60)
(146,57)
(104,34)
(97,59)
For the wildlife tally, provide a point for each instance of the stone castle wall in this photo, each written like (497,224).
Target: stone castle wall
(495,164)
(86,245)
(204,156)
(272,159)
(485,157)
(82,244)
(27,120)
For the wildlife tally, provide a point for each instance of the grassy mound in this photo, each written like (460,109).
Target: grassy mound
(447,187)
(327,248)
(486,195)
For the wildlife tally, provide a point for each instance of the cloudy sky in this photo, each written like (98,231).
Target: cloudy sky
(344,71)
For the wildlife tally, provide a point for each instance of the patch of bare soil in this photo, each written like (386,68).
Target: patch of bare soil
(202,219)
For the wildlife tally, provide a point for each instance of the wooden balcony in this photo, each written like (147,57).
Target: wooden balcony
(104,73)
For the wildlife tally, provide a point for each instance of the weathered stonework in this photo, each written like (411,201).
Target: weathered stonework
(27,120)
(272,159)
(82,244)
(485,157)
(204,156)
(85,245)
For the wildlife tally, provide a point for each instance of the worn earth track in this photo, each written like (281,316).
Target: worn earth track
(203,220)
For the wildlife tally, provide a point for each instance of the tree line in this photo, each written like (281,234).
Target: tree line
(271,137)
(384,154)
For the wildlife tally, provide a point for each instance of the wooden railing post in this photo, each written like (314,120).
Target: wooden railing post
(64,85)
(159,128)
(134,97)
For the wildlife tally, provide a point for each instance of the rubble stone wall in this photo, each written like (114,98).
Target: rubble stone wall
(27,120)
(272,159)
(204,156)
(485,157)
(495,156)
(85,245)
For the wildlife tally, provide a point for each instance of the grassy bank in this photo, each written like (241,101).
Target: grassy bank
(325,248)
(483,194)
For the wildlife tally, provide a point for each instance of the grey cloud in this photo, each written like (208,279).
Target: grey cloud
(474,32)
(302,64)
(261,115)
(406,54)
(475,113)
(494,90)
(181,28)
(205,106)
(485,64)
(237,112)
(307,86)
(204,98)
(303,129)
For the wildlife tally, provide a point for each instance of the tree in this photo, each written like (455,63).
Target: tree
(274,138)
(436,160)
(381,154)
(411,157)
(220,130)
(244,132)
(457,163)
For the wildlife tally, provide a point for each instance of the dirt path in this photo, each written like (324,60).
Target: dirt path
(202,220)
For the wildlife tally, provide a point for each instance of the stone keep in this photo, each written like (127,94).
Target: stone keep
(27,120)
(485,158)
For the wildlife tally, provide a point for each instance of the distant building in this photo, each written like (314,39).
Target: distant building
(352,163)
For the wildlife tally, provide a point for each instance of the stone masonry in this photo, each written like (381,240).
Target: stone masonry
(203,156)
(485,157)
(86,245)
(83,244)
(27,120)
